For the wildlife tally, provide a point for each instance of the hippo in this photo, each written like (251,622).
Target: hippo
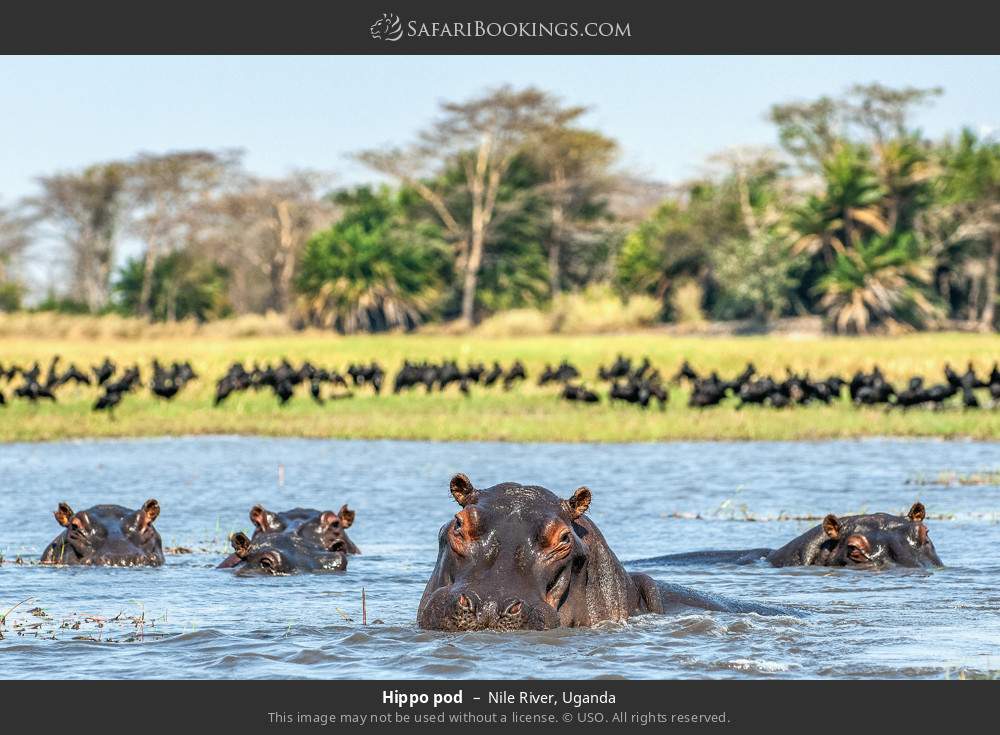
(321,528)
(872,541)
(107,535)
(518,557)
(281,553)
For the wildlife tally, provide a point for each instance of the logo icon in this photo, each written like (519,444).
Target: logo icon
(387,28)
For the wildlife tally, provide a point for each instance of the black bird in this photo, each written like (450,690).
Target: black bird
(315,386)
(686,372)
(572,392)
(494,374)
(969,399)
(108,401)
(284,390)
(516,373)
(104,371)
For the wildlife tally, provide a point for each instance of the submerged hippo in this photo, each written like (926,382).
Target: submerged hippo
(107,535)
(302,539)
(518,557)
(321,528)
(862,542)
(284,553)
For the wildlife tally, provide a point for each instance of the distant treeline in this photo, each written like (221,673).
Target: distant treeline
(507,201)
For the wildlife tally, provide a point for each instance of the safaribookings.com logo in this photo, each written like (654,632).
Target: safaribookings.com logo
(390,28)
(387,28)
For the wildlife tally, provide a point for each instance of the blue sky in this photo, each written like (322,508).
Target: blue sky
(668,113)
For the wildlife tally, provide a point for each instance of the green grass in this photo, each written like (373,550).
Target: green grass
(528,413)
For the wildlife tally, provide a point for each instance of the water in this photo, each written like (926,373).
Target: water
(190,620)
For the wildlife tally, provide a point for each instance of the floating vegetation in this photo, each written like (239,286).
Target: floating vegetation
(949,479)
(38,623)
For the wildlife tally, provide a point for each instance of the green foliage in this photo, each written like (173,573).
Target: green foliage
(183,287)
(515,271)
(757,277)
(664,249)
(881,283)
(829,221)
(62,305)
(11,294)
(373,270)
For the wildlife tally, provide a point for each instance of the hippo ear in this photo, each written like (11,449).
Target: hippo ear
(63,514)
(917,513)
(150,512)
(258,516)
(462,490)
(346,516)
(831,526)
(578,504)
(241,544)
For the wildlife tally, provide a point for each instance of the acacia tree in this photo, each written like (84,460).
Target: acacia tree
(482,137)
(165,189)
(85,210)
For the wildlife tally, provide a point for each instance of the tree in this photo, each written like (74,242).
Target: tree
(165,189)
(373,269)
(661,252)
(871,113)
(575,163)
(181,286)
(869,172)
(847,207)
(727,233)
(482,136)
(970,201)
(86,210)
(258,228)
(15,238)
(882,282)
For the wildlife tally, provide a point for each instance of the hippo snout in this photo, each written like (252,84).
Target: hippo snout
(463,609)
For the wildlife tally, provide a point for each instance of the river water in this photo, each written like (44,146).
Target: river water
(188,619)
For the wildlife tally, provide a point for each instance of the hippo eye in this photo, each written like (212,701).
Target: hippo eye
(77,523)
(565,538)
(269,562)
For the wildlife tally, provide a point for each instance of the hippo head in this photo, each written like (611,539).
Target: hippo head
(107,535)
(515,557)
(284,553)
(320,528)
(879,540)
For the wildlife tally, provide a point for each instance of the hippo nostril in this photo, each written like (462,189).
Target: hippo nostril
(514,608)
(465,603)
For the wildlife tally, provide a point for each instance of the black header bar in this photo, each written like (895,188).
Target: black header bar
(508,27)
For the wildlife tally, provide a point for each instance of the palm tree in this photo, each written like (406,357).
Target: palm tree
(829,223)
(880,283)
(369,272)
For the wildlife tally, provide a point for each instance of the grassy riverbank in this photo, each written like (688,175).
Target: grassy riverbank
(528,413)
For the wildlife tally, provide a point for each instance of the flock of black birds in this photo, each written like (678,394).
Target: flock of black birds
(114,384)
(864,389)
(284,378)
(640,384)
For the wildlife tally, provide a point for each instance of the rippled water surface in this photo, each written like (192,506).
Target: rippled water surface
(189,620)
